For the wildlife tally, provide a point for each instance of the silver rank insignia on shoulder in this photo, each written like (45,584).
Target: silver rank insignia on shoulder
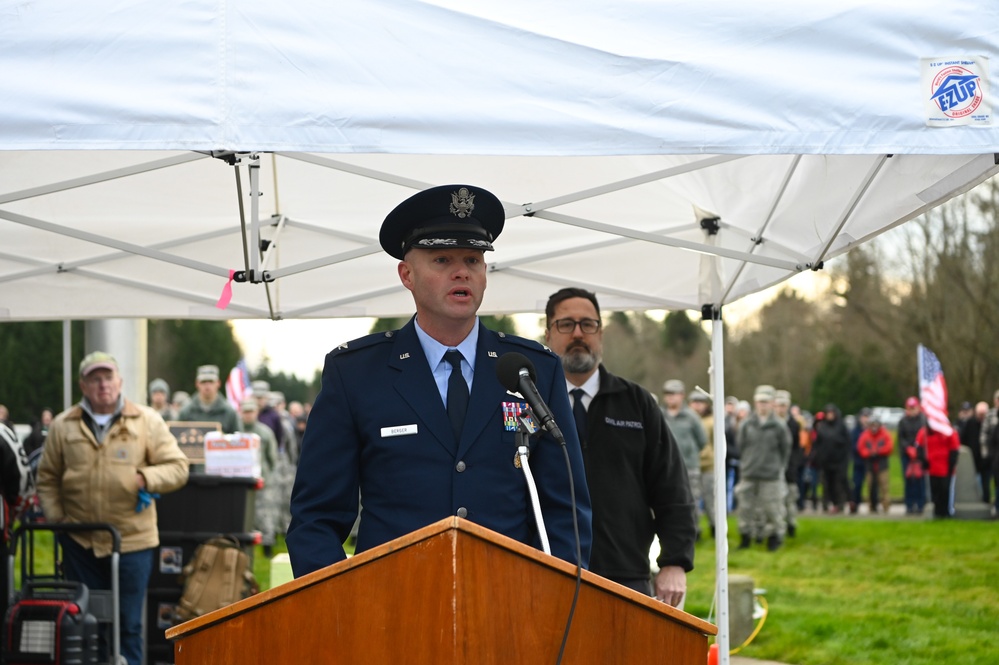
(403,356)
(491,354)
(342,346)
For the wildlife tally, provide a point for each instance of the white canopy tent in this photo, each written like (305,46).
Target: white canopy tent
(804,129)
(620,136)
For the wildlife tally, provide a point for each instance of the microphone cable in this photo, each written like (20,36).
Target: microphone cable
(579,556)
(509,370)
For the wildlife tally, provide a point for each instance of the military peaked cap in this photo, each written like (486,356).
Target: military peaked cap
(445,217)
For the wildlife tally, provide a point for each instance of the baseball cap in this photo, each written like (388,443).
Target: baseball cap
(763,393)
(912,401)
(674,386)
(260,387)
(208,373)
(782,396)
(97,360)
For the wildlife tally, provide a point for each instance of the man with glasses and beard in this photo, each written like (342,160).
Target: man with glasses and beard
(637,479)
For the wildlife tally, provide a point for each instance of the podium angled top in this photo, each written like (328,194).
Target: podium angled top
(454,589)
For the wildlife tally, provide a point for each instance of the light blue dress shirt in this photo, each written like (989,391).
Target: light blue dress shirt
(441,369)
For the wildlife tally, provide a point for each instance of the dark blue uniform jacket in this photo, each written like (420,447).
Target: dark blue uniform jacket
(380,385)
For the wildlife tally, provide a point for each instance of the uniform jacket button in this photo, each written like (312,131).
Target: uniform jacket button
(460,467)
(462,512)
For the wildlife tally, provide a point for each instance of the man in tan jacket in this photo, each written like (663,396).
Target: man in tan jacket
(105,460)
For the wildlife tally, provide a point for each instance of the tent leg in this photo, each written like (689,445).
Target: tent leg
(721,504)
(67,364)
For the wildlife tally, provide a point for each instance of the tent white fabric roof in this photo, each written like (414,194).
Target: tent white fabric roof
(609,130)
(616,127)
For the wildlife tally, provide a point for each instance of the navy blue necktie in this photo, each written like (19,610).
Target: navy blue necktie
(457,393)
(579,412)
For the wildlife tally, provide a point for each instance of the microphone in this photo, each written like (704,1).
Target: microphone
(516,373)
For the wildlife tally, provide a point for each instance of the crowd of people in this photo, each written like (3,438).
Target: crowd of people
(107,460)
(390,424)
(836,468)
(264,412)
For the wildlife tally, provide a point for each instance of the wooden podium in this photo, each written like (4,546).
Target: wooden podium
(452,592)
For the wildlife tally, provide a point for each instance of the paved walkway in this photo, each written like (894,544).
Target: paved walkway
(974,510)
(895,510)
(742,660)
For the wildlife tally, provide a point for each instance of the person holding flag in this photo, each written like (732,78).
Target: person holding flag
(938,436)
(237,385)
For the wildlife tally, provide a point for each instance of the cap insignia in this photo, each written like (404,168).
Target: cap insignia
(462,203)
(436,242)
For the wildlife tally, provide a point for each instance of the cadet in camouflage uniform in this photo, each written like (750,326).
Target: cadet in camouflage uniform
(209,405)
(782,409)
(267,508)
(690,436)
(287,460)
(764,446)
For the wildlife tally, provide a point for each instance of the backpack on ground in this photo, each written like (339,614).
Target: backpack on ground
(218,575)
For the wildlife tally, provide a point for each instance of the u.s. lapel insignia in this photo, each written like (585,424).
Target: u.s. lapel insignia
(403,356)
(491,354)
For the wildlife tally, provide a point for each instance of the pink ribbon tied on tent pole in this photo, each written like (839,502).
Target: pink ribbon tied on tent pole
(226,296)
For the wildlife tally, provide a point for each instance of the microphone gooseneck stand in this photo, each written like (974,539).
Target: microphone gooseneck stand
(516,373)
(524,431)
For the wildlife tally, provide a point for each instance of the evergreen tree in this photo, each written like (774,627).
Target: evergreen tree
(32,374)
(178,347)
(294,388)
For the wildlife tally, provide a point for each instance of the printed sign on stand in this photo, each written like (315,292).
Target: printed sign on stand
(232,455)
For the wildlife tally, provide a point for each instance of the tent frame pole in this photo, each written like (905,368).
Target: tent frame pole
(721,503)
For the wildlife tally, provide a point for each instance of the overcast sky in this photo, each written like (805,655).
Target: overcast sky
(299,346)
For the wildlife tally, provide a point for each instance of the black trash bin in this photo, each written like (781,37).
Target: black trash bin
(214,504)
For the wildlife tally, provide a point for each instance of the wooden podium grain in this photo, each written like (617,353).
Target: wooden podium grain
(452,592)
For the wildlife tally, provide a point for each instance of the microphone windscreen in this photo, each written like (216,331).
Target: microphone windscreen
(508,369)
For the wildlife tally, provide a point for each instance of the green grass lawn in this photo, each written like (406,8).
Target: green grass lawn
(854,590)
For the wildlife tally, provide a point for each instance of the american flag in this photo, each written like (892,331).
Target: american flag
(237,386)
(933,391)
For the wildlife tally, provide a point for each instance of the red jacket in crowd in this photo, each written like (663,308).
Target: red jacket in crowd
(875,444)
(941,451)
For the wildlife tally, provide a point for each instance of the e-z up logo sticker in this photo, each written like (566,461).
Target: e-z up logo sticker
(956,91)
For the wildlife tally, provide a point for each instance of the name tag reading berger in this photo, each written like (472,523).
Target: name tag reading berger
(399,430)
